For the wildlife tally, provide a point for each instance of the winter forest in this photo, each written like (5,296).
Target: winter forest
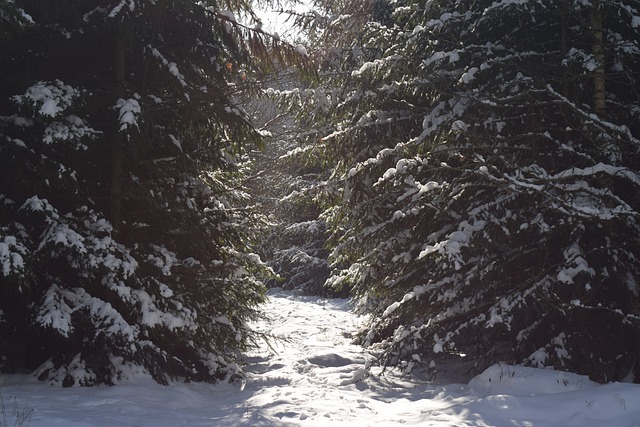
(466,172)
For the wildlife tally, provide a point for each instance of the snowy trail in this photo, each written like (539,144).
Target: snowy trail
(315,377)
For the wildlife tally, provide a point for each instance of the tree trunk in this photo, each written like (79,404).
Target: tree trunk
(116,165)
(598,55)
(564,49)
(564,46)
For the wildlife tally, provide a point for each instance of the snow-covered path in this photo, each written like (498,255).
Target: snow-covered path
(316,377)
(311,367)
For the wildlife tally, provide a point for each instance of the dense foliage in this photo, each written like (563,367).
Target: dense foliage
(485,181)
(293,237)
(124,233)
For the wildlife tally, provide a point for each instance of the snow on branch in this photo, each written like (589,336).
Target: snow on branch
(620,129)
(599,168)
(129,110)
(59,305)
(36,204)
(48,98)
(59,233)
(153,316)
(55,312)
(130,4)
(172,67)
(574,264)
(11,252)
(72,128)
(454,242)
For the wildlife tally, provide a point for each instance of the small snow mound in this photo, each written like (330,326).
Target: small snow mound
(227,14)
(331,360)
(302,50)
(358,375)
(513,380)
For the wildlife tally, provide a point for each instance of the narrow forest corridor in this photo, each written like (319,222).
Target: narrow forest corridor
(195,202)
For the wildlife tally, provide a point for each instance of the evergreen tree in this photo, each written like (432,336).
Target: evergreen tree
(125,236)
(486,184)
(293,238)
(296,241)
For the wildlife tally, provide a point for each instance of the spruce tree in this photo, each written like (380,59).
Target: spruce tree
(125,235)
(486,203)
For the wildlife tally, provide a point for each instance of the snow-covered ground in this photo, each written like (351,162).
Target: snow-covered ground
(316,377)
